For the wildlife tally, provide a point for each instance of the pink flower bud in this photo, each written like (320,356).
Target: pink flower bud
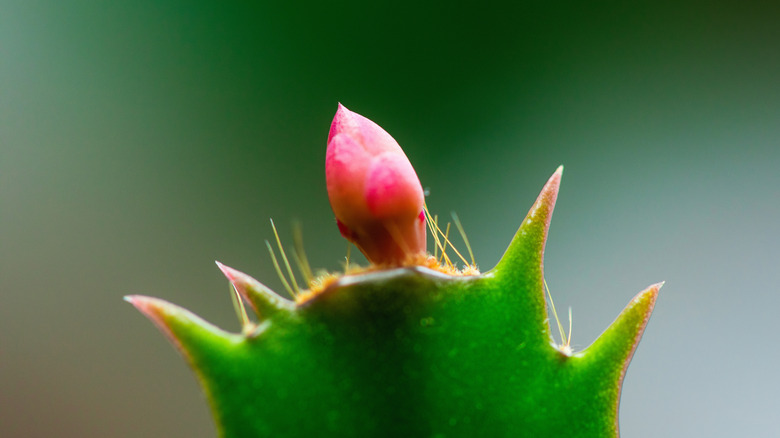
(373,190)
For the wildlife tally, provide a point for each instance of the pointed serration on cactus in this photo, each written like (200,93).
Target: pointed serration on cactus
(410,351)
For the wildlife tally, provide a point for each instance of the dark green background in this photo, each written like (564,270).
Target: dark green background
(141,140)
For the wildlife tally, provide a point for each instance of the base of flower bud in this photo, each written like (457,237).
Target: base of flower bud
(424,260)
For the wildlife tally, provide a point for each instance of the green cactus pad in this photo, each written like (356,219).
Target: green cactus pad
(411,352)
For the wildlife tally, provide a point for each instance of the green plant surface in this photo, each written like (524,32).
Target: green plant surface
(411,351)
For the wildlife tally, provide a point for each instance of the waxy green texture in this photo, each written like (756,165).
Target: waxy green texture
(411,352)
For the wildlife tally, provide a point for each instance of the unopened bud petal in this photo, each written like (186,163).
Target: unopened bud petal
(373,189)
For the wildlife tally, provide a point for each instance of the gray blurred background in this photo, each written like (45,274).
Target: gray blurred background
(142,140)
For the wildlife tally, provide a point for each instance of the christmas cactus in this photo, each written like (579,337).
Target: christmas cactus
(412,345)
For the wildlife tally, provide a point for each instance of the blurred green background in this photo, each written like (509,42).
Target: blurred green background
(140,141)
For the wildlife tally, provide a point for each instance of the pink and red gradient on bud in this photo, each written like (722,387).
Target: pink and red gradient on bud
(374,190)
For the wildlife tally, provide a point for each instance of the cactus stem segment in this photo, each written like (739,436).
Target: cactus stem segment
(410,345)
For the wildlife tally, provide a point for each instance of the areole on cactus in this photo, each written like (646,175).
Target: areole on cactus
(406,347)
